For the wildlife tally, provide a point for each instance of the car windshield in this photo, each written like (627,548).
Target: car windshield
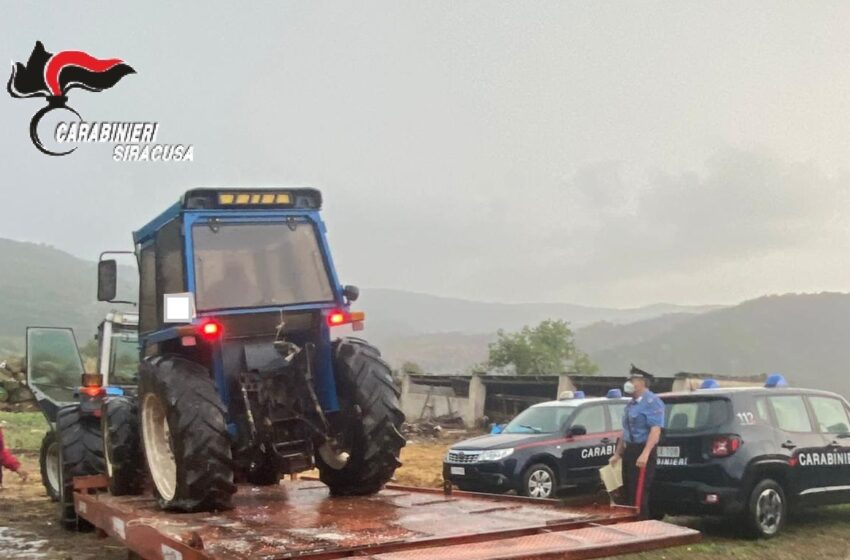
(695,415)
(539,420)
(258,265)
(124,358)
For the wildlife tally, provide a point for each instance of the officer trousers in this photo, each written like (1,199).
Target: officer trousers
(631,477)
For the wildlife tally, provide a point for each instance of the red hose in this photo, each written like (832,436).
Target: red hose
(639,490)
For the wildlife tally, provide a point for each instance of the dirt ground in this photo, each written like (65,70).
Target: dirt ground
(28,528)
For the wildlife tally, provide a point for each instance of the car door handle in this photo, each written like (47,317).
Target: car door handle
(605,440)
(834,443)
(789,445)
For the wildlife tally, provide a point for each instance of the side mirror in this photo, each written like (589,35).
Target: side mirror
(107,275)
(351,292)
(577,430)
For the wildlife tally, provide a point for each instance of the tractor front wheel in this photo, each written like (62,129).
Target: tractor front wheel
(368,424)
(184,435)
(80,454)
(122,447)
(49,463)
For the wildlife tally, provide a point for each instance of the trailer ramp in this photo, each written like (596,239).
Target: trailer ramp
(299,519)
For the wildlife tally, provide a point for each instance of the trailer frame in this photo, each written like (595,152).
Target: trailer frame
(477,526)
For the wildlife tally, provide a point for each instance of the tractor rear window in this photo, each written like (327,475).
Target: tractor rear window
(696,415)
(258,265)
(124,358)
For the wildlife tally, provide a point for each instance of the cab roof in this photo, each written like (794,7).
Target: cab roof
(233,199)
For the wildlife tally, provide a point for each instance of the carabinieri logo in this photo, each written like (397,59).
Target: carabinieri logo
(52,76)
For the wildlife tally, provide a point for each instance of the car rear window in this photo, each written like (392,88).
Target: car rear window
(695,415)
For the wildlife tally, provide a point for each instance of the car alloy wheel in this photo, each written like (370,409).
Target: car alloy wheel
(769,511)
(540,484)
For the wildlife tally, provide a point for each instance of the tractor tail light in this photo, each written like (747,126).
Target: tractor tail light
(339,317)
(210,329)
(724,446)
(93,391)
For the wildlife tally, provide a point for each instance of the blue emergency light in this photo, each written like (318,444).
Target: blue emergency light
(579,395)
(710,384)
(615,394)
(776,380)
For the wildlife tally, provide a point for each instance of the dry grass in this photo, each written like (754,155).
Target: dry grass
(422,464)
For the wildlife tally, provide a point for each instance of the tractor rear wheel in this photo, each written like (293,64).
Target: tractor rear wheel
(368,424)
(122,447)
(80,454)
(184,435)
(49,463)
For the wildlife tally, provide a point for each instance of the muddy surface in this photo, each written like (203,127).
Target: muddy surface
(29,529)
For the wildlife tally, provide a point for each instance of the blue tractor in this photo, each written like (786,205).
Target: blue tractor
(240,379)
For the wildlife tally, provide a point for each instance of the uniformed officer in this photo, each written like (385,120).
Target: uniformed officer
(642,425)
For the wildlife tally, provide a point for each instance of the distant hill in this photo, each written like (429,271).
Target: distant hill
(604,334)
(436,352)
(400,313)
(803,336)
(40,285)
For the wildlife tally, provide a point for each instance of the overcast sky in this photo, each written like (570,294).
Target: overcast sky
(613,153)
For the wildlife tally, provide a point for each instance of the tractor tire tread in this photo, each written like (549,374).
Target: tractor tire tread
(121,420)
(81,450)
(201,442)
(363,375)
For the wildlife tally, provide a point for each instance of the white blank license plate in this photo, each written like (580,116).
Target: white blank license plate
(668,452)
(458,470)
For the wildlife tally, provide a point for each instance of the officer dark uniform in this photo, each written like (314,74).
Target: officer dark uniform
(644,412)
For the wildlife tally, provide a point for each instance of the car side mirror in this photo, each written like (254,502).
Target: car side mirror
(351,292)
(577,430)
(107,275)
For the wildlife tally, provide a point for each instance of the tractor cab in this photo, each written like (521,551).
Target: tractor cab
(61,381)
(55,367)
(238,296)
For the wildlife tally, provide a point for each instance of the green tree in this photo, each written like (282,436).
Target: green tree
(412,368)
(547,349)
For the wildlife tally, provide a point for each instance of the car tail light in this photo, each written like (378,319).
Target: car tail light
(724,446)
(210,329)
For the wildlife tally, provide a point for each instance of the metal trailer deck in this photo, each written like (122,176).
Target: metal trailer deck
(299,519)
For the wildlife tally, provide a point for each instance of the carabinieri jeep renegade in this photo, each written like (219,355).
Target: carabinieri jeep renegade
(752,453)
(547,447)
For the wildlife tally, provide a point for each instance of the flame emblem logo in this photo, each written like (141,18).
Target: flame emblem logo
(52,76)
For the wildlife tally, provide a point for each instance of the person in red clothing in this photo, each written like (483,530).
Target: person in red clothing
(9,461)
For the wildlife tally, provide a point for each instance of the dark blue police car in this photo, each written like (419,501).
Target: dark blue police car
(752,454)
(549,446)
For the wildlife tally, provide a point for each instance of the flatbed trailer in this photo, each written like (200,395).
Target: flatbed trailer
(299,519)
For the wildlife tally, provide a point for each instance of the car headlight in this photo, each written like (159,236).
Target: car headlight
(494,454)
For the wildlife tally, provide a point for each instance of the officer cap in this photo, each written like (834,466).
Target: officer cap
(636,372)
